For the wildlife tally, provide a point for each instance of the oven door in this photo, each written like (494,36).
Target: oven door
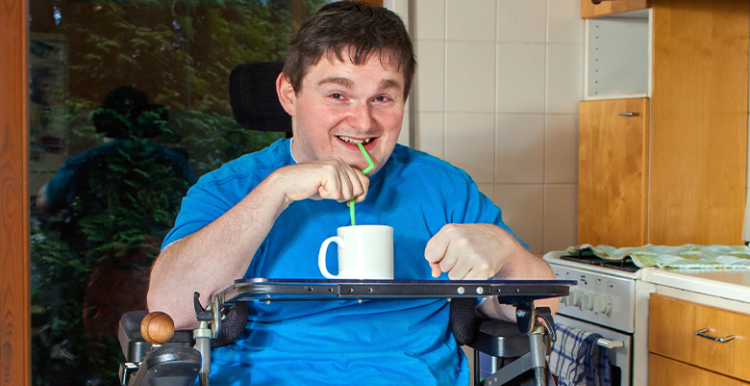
(619,358)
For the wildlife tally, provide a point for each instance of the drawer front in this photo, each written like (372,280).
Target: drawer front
(666,372)
(672,333)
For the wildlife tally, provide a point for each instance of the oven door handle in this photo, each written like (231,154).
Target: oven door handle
(610,343)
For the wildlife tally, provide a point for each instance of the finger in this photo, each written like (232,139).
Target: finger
(330,187)
(364,185)
(459,270)
(346,186)
(356,181)
(437,246)
(352,180)
(448,263)
(436,272)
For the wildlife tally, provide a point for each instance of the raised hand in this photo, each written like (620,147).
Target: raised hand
(470,251)
(322,179)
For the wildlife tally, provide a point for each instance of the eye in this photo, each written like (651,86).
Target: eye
(381,98)
(337,96)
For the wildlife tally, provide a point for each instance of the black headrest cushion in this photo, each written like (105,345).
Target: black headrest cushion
(252,91)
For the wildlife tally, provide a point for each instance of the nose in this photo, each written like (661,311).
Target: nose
(362,117)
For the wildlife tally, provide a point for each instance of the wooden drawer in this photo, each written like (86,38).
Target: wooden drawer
(671,333)
(666,372)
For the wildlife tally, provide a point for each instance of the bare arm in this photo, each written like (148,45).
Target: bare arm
(524,267)
(209,260)
(481,251)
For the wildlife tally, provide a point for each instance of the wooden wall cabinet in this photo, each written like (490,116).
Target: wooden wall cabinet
(677,356)
(696,167)
(613,171)
(699,121)
(590,9)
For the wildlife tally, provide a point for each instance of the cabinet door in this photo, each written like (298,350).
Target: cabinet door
(699,121)
(613,172)
(666,372)
(590,9)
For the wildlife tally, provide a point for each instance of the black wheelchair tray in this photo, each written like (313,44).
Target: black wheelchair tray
(507,291)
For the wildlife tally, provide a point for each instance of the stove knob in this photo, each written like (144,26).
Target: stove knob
(603,304)
(568,299)
(587,303)
(574,299)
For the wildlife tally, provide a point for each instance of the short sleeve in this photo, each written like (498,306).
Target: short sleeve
(220,190)
(209,199)
(201,206)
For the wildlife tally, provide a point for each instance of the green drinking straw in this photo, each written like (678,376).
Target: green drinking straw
(370,167)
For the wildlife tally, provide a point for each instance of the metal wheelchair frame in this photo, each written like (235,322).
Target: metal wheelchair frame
(177,363)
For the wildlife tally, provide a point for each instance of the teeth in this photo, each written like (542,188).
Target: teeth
(355,141)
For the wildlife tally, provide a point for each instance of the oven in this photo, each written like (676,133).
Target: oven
(619,344)
(606,302)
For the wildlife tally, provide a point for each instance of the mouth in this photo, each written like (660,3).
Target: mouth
(355,141)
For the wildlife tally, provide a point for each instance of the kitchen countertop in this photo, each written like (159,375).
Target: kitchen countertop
(729,284)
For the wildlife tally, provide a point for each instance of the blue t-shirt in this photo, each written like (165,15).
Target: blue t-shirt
(343,342)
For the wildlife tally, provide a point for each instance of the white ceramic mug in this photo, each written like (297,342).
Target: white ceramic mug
(365,252)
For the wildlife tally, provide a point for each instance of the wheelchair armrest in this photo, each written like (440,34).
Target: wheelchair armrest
(500,339)
(168,366)
(134,347)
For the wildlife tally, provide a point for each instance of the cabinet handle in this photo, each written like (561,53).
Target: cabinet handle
(630,114)
(702,333)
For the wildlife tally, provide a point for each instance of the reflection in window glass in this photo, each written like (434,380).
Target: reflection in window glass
(129,105)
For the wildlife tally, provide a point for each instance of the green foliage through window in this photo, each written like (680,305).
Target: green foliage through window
(90,261)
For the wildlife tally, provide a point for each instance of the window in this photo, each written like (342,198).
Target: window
(129,104)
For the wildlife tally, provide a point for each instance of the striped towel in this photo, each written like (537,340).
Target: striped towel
(577,360)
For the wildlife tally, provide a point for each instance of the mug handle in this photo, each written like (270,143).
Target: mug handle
(322,255)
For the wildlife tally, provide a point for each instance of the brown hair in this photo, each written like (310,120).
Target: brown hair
(359,28)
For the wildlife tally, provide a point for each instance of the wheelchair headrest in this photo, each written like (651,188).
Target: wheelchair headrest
(252,92)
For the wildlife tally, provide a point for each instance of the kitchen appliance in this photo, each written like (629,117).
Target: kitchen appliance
(609,300)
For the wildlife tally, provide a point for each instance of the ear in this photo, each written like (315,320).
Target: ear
(287,97)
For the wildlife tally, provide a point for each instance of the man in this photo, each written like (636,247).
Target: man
(345,80)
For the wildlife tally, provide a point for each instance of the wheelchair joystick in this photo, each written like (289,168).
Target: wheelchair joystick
(157,328)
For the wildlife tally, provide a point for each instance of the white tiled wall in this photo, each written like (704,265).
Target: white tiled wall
(496,93)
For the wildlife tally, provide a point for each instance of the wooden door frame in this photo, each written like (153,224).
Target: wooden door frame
(15,326)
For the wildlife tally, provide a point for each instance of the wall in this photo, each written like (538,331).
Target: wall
(497,94)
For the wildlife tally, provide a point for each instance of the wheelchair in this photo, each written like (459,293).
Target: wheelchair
(158,356)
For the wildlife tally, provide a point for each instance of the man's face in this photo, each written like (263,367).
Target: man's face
(340,104)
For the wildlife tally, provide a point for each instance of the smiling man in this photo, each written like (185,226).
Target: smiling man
(345,80)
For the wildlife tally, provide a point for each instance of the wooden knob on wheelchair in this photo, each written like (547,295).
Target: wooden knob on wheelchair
(157,328)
